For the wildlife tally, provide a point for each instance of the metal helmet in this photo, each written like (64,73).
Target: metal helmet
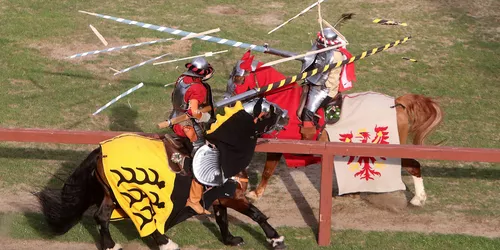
(199,67)
(329,38)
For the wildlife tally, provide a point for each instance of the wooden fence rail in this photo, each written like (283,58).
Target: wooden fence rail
(326,149)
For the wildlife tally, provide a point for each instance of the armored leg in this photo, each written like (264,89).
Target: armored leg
(194,132)
(200,141)
(315,98)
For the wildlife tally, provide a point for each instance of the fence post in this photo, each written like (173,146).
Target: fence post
(325,200)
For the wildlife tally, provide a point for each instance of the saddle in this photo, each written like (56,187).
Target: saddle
(180,148)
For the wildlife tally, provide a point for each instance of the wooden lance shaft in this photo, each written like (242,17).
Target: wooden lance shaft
(180,118)
(289,80)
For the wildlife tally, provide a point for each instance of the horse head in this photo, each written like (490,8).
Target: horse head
(268,116)
(243,68)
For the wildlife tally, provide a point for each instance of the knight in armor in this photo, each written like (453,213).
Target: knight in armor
(191,93)
(323,88)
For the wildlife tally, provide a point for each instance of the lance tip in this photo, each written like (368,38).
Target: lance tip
(86,12)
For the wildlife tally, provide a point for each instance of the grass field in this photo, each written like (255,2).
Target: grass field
(456,43)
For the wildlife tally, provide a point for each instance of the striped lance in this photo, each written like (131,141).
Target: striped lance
(138,86)
(140,64)
(180,32)
(118,48)
(270,87)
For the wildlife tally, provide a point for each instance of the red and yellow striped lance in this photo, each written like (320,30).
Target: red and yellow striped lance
(275,85)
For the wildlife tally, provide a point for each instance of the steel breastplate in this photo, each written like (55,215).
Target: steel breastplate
(179,106)
(317,61)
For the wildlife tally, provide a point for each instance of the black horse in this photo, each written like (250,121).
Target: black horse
(235,138)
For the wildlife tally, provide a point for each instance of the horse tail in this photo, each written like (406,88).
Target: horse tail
(424,115)
(64,209)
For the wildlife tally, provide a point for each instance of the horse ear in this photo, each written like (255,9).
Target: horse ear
(246,55)
(257,109)
(246,64)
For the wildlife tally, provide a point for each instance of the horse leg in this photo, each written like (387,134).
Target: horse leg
(164,242)
(410,165)
(242,205)
(413,167)
(221,219)
(272,161)
(102,217)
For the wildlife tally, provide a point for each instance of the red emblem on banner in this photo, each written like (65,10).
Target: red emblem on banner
(365,165)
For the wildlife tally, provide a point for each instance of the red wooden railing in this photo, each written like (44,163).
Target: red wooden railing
(326,150)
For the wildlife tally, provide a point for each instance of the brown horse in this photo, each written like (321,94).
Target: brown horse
(417,115)
(89,185)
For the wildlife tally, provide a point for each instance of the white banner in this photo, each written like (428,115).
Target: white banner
(367,118)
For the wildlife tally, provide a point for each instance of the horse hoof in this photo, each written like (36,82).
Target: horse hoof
(116,247)
(252,196)
(234,241)
(170,246)
(417,201)
(277,243)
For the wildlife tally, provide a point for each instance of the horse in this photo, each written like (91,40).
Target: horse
(90,185)
(417,115)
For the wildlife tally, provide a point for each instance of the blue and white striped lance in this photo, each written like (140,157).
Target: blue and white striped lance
(140,64)
(180,32)
(119,97)
(118,48)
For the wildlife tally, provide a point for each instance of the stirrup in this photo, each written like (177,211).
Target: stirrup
(178,158)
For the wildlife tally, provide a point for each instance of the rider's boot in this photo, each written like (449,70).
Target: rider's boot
(308,130)
(324,136)
(195,194)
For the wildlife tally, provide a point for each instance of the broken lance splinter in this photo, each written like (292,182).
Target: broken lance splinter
(141,64)
(301,13)
(388,22)
(119,48)
(302,76)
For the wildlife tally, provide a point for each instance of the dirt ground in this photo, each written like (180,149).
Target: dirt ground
(11,244)
(292,199)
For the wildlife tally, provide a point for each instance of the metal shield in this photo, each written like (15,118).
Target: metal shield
(206,166)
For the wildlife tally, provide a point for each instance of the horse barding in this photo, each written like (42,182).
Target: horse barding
(417,116)
(132,176)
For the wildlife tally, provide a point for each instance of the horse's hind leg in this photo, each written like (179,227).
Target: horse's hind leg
(410,165)
(221,219)
(413,167)
(164,242)
(102,217)
(272,160)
